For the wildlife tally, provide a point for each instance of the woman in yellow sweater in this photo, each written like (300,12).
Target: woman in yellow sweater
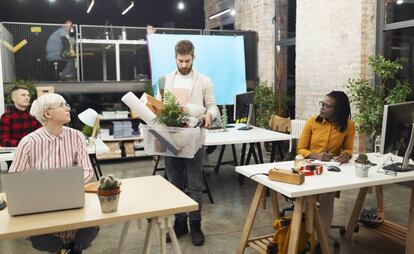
(329,136)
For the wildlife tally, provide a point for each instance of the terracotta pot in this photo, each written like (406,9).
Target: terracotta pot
(109,200)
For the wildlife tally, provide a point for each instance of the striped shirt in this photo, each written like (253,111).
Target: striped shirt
(40,150)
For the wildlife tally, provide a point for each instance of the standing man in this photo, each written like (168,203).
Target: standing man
(189,86)
(16,122)
(59,48)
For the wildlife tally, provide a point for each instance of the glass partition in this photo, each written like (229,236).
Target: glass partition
(35,60)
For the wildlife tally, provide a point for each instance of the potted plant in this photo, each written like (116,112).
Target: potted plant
(266,104)
(173,115)
(108,193)
(369,99)
(362,165)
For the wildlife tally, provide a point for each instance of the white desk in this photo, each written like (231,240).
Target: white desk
(313,185)
(6,156)
(235,136)
(253,137)
(117,51)
(99,147)
(135,203)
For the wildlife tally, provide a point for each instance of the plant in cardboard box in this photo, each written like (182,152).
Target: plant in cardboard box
(176,120)
(172,115)
(108,193)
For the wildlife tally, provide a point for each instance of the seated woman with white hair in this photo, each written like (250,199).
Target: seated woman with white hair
(55,146)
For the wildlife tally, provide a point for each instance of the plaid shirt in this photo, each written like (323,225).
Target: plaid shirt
(14,125)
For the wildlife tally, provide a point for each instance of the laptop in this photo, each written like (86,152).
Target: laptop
(44,190)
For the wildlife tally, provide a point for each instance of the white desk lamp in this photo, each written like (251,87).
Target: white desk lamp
(91,119)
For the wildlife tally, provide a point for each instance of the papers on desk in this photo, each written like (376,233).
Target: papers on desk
(325,163)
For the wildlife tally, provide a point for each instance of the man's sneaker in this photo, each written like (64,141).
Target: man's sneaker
(180,229)
(197,235)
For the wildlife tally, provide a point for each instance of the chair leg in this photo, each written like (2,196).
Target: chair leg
(207,188)
(217,168)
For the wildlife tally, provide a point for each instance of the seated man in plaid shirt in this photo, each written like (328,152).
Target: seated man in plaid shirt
(16,122)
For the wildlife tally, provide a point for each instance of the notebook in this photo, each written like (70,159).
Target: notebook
(44,190)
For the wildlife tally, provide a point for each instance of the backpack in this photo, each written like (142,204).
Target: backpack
(280,242)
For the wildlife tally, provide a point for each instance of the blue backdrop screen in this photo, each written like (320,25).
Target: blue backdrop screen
(219,57)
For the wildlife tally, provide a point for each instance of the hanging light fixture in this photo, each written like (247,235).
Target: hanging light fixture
(131,4)
(180,5)
(90,4)
(218,14)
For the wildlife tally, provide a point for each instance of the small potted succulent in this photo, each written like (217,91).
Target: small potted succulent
(362,165)
(108,193)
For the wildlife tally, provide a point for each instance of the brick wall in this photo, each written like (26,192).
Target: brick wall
(211,7)
(333,40)
(253,15)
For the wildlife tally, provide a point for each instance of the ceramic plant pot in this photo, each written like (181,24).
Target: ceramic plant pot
(109,200)
(361,170)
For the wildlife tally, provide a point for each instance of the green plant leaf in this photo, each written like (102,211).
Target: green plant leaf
(171,115)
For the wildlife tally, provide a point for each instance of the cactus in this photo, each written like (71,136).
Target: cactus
(362,159)
(109,183)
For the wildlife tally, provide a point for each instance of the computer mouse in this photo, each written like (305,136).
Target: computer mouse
(333,168)
(2,204)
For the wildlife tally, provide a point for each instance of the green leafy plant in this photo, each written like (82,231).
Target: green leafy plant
(266,104)
(109,182)
(369,99)
(87,130)
(172,115)
(148,89)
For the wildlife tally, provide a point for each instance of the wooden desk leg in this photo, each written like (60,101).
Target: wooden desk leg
(275,204)
(355,213)
(162,229)
(148,236)
(319,228)
(250,218)
(309,214)
(295,226)
(409,245)
(263,199)
(174,241)
(123,234)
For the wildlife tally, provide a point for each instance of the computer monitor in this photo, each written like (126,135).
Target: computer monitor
(397,134)
(243,107)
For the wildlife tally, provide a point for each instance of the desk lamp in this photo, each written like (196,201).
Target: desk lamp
(91,119)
